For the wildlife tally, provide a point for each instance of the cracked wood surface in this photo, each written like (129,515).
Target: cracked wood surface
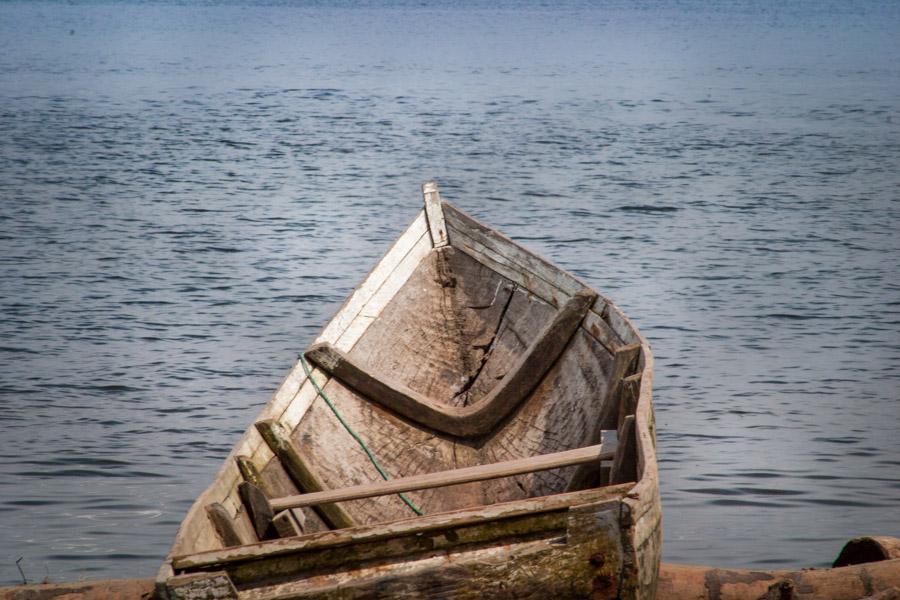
(476,419)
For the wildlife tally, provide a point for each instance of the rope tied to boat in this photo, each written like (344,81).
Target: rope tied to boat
(354,435)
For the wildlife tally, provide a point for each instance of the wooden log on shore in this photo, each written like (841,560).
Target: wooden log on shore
(856,582)
(868,549)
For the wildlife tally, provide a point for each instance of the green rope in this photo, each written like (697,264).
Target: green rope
(355,435)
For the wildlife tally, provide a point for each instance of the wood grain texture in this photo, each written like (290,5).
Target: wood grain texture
(201,586)
(560,414)
(476,419)
(624,467)
(223,525)
(401,449)
(259,510)
(629,392)
(410,526)
(856,582)
(301,472)
(278,483)
(441,328)
(435,215)
(287,525)
(251,475)
(573,553)
(513,254)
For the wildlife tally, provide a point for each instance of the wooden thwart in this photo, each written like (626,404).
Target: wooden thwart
(544,462)
(477,419)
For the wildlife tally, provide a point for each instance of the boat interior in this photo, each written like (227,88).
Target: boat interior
(461,351)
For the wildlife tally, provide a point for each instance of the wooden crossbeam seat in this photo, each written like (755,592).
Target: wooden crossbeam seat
(278,517)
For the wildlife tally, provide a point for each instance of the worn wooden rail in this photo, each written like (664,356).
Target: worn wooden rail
(544,462)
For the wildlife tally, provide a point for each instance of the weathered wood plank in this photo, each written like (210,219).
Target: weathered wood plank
(590,454)
(620,324)
(623,360)
(404,550)
(451,316)
(624,466)
(527,262)
(645,495)
(279,483)
(300,472)
(630,390)
(201,586)
(435,214)
(501,571)
(560,414)
(601,331)
(502,265)
(399,447)
(428,523)
(473,420)
(593,322)
(568,554)
(259,510)
(251,474)
(287,525)
(223,525)
(594,475)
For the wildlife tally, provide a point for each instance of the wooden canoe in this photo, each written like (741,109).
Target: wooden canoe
(509,407)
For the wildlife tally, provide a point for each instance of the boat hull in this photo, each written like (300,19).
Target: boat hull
(519,537)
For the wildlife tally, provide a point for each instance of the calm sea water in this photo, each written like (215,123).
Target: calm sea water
(189,190)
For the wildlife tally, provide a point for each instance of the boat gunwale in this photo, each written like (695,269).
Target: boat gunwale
(402,527)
